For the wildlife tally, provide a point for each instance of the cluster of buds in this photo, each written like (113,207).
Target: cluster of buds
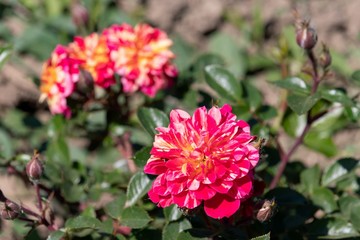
(140,55)
(306,38)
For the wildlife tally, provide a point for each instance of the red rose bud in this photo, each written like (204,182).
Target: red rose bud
(264,210)
(10,210)
(306,36)
(325,57)
(34,168)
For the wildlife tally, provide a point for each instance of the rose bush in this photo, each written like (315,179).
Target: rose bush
(142,136)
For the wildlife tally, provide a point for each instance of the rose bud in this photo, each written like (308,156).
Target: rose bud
(10,210)
(325,57)
(34,168)
(306,36)
(264,210)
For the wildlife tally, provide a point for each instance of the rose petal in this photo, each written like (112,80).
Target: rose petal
(221,206)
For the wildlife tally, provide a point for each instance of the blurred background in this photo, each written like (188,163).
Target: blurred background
(30,30)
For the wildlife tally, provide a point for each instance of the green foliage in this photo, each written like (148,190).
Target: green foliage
(93,180)
(151,118)
(139,185)
(5,53)
(223,82)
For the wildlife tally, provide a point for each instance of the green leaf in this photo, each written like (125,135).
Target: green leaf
(294,84)
(340,64)
(37,40)
(152,118)
(14,122)
(135,217)
(356,77)
(56,126)
(266,112)
(139,185)
(107,226)
(172,213)
(142,156)
(301,104)
(324,198)
(6,147)
(96,121)
(172,230)
(5,53)
(294,124)
(252,95)
(310,178)
(349,184)
(336,95)
(72,193)
(346,204)
(223,45)
(355,216)
(204,60)
(57,235)
(183,51)
(223,82)
(115,208)
(320,142)
(89,212)
(331,228)
(82,222)
(263,237)
(330,122)
(353,113)
(338,170)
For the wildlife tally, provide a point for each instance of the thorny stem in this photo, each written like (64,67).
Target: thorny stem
(123,145)
(299,140)
(30,212)
(315,74)
(286,157)
(37,189)
(40,218)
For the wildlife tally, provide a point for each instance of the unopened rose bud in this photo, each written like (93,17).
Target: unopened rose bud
(306,36)
(34,168)
(264,210)
(259,143)
(10,210)
(79,14)
(325,57)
